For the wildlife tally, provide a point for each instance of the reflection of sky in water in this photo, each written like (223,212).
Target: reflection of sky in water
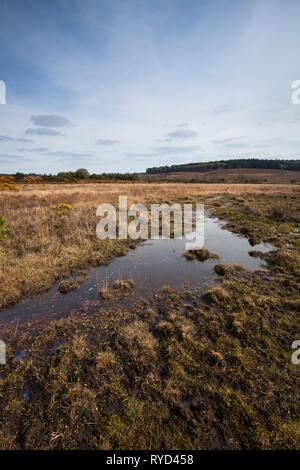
(151,265)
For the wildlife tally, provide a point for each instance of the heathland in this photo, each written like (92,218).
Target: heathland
(177,371)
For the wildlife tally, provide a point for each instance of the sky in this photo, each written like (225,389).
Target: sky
(123,85)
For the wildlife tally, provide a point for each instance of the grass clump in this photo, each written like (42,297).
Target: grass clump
(124,286)
(223,269)
(201,255)
(120,288)
(67,286)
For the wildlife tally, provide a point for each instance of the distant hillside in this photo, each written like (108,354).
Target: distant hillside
(276,164)
(229,175)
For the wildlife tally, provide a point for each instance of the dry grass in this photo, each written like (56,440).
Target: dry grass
(137,191)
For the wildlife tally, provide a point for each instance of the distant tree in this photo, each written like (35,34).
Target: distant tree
(19,176)
(82,173)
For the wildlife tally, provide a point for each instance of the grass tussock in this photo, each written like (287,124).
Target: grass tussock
(120,288)
(66,286)
(124,285)
(222,269)
(200,255)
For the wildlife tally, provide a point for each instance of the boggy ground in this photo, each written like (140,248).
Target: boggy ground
(177,371)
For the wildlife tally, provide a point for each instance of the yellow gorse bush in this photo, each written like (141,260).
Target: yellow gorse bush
(33,180)
(6,185)
(62,208)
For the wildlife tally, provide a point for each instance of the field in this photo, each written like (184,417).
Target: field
(250,175)
(175,371)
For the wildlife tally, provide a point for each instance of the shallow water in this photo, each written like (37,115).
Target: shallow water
(151,265)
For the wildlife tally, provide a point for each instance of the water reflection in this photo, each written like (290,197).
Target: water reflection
(151,265)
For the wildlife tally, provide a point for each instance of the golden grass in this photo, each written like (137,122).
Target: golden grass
(136,190)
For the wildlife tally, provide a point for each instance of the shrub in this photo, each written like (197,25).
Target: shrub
(62,208)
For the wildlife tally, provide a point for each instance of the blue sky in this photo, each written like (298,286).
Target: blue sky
(121,85)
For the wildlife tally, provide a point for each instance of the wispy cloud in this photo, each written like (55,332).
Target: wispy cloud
(175,150)
(5,138)
(106,142)
(5,158)
(50,120)
(231,141)
(70,155)
(37,149)
(42,131)
(225,108)
(179,134)
(182,124)
(184,134)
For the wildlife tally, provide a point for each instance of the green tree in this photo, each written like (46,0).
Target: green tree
(82,173)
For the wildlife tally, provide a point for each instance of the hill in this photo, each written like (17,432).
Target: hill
(235,175)
(257,163)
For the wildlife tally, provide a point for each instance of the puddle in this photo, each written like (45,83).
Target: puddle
(151,265)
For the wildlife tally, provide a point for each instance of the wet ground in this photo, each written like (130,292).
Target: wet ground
(151,265)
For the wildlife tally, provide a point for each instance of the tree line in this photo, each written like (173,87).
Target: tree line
(201,167)
(80,174)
